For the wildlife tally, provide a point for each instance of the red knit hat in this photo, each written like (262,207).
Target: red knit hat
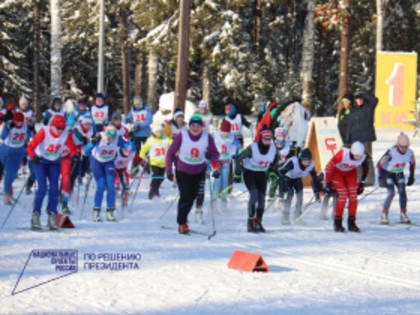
(225,126)
(10,106)
(18,117)
(58,121)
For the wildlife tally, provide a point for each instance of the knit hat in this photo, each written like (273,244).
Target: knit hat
(81,102)
(403,139)
(137,101)
(100,95)
(116,115)
(203,105)
(357,148)
(58,121)
(85,119)
(110,131)
(18,117)
(23,100)
(266,133)
(280,133)
(196,119)
(56,100)
(178,112)
(305,155)
(11,106)
(225,126)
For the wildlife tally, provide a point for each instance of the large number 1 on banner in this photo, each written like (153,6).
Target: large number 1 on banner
(396,85)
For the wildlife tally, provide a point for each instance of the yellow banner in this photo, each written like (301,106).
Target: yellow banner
(396,82)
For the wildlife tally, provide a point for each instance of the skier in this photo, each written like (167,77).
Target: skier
(101,113)
(80,111)
(236,120)
(193,148)
(116,121)
(45,151)
(27,112)
(176,124)
(156,147)
(103,150)
(203,109)
(341,176)
(292,173)
(55,109)
(284,153)
(228,146)
(7,113)
(141,116)
(12,151)
(391,173)
(124,157)
(253,162)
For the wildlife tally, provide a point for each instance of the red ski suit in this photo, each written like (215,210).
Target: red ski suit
(344,182)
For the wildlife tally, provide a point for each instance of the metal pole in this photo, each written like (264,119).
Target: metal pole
(101,47)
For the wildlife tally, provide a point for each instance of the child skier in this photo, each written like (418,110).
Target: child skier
(228,147)
(12,151)
(193,147)
(55,109)
(283,150)
(176,125)
(391,173)
(203,109)
(80,111)
(45,151)
(254,162)
(101,113)
(124,157)
(236,121)
(156,147)
(103,150)
(294,169)
(341,176)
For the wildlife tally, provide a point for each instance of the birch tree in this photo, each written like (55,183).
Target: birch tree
(308,57)
(55,48)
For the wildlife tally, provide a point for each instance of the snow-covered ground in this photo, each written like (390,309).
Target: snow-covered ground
(313,269)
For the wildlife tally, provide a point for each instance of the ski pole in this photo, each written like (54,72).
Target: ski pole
(213,220)
(137,189)
(14,205)
(85,197)
(367,194)
(305,208)
(169,207)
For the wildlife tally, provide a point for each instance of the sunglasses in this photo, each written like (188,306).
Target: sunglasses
(111,134)
(266,139)
(279,141)
(60,128)
(403,146)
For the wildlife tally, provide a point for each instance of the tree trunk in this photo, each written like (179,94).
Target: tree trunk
(140,75)
(344,52)
(308,57)
(183,54)
(152,69)
(124,62)
(258,23)
(36,60)
(206,84)
(55,48)
(379,25)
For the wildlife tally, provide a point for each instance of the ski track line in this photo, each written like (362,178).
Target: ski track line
(341,268)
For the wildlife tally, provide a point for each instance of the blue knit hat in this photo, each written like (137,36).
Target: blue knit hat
(99,95)
(196,119)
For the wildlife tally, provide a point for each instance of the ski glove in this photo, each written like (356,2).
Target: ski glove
(410,180)
(360,188)
(207,155)
(37,159)
(216,174)
(95,139)
(170,176)
(142,162)
(329,189)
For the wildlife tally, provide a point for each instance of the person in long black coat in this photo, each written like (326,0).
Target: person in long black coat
(345,106)
(361,126)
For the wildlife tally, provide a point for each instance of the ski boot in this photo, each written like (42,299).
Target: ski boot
(351,224)
(404,218)
(97,215)
(35,221)
(52,220)
(251,226)
(384,217)
(199,215)
(151,195)
(285,219)
(338,224)
(8,200)
(258,226)
(110,215)
(183,229)
(65,208)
